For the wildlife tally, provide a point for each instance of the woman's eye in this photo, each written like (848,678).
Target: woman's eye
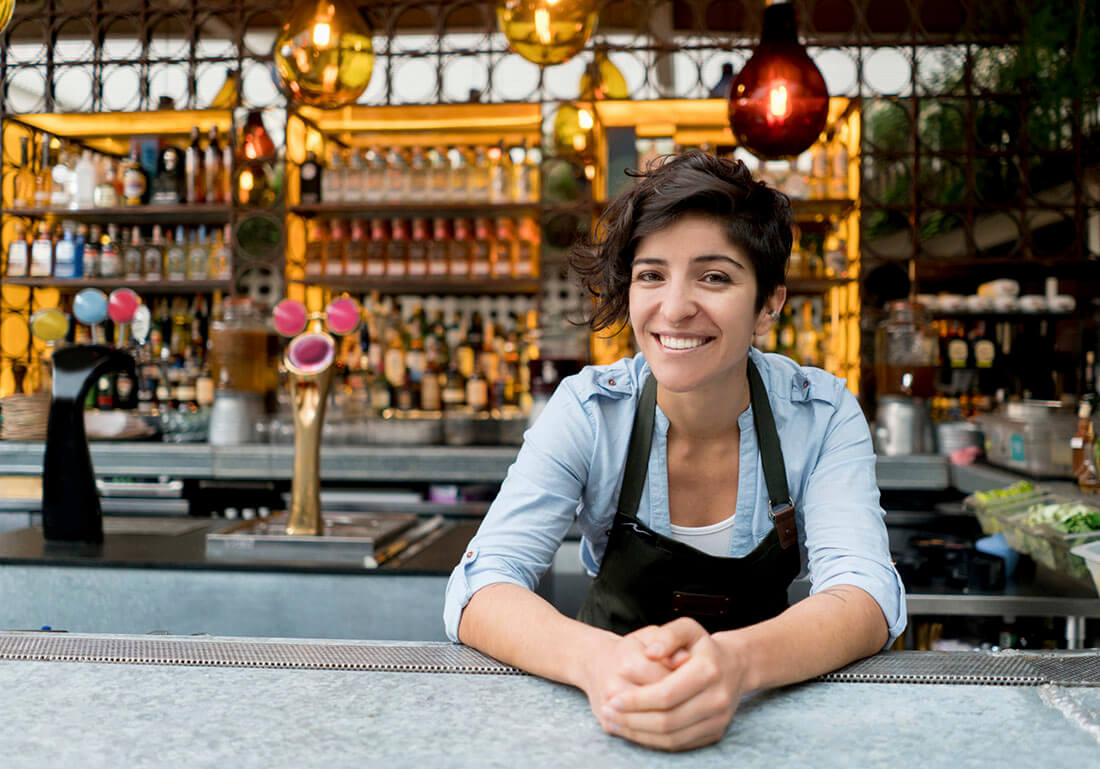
(716,277)
(647,275)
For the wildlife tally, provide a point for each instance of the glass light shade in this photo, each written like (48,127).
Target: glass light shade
(7,7)
(323,55)
(547,31)
(573,129)
(778,103)
(602,79)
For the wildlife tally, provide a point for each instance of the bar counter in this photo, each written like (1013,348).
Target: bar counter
(108,701)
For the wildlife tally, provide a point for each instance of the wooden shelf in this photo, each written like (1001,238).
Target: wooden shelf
(427,285)
(153,214)
(814,285)
(141,286)
(415,209)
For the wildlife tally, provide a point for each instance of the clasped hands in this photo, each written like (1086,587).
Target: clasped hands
(670,687)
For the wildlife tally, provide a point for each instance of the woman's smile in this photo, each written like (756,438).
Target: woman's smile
(681,344)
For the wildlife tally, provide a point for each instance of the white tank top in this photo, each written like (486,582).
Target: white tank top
(714,539)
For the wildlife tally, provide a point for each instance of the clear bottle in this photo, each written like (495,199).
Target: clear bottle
(397,251)
(212,160)
(504,253)
(106,192)
(198,256)
(110,261)
(221,254)
(355,254)
(377,249)
(374,176)
(460,175)
(353,177)
(194,171)
(439,175)
(23,194)
(135,184)
(458,255)
(153,256)
(479,176)
(397,176)
(438,248)
(500,175)
(133,258)
(18,252)
(417,266)
(61,173)
(337,249)
(418,175)
(332,180)
(92,250)
(43,183)
(481,257)
(175,256)
(41,265)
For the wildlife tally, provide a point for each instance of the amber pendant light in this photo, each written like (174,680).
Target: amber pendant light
(324,55)
(7,7)
(778,103)
(547,31)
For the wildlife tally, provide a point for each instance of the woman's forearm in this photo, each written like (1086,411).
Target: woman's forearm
(817,635)
(520,628)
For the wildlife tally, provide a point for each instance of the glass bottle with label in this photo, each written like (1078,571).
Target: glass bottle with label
(479,176)
(43,183)
(374,176)
(377,248)
(168,187)
(92,250)
(337,247)
(175,256)
(397,176)
(417,262)
(527,248)
(133,257)
(439,175)
(458,256)
(459,176)
(23,194)
(310,180)
(153,256)
(221,255)
(438,248)
(198,256)
(504,255)
(397,252)
(41,265)
(61,173)
(106,192)
(134,181)
(194,171)
(212,160)
(110,260)
(481,258)
(315,248)
(355,254)
(353,177)
(418,175)
(18,252)
(332,180)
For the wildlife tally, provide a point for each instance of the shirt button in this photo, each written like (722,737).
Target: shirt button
(611,382)
(805,384)
(470,554)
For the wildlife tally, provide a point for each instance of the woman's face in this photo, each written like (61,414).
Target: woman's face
(692,299)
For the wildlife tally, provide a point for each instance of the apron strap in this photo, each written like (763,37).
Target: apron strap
(637,453)
(775,472)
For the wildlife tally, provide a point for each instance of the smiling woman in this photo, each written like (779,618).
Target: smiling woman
(702,474)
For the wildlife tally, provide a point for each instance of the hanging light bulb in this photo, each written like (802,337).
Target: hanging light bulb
(7,7)
(547,31)
(573,129)
(323,55)
(778,103)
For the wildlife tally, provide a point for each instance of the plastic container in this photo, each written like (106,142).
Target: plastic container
(1089,553)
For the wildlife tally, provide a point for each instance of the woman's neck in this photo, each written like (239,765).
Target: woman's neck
(706,415)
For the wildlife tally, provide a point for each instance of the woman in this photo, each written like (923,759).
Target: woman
(703,475)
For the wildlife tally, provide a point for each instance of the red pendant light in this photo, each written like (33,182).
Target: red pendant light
(778,103)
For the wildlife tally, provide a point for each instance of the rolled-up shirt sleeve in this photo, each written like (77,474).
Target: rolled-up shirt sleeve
(846,537)
(538,500)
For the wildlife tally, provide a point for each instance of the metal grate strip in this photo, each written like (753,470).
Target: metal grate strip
(1009,668)
(441,658)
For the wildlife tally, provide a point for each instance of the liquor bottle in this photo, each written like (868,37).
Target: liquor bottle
(439,175)
(315,249)
(374,176)
(212,160)
(194,172)
(80,239)
(85,181)
(310,180)
(332,181)
(481,257)
(110,260)
(106,192)
(124,395)
(337,247)
(527,249)
(1088,473)
(198,256)
(43,184)
(175,256)
(438,248)
(431,389)
(353,177)
(459,176)
(18,252)
(23,194)
(221,255)
(61,173)
(397,176)
(453,395)
(41,265)
(500,174)
(1077,442)
(504,253)
(459,252)
(153,256)
(393,362)
(477,391)
(92,250)
(135,185)
(227,172)
(479,176)
(397,251)
(133,258)
(104,393)
(377,248)
(418,175)
(417,266)
(169,187)
(355,255)
(1088,380)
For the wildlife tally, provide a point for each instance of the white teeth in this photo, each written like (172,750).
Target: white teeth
(681,343)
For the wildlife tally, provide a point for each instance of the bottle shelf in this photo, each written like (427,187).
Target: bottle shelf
(141,286)
(427,285)
(814,285)
(153,214)
(413,209)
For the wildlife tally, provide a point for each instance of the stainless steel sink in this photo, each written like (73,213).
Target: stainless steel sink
(358,538)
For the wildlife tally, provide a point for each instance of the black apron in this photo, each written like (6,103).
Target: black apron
(649,579)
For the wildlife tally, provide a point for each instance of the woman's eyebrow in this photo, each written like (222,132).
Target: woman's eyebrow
(704,258)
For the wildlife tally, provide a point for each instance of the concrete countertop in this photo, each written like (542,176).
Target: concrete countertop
(92,714)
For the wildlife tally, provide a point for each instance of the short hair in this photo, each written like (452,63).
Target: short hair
(756,219)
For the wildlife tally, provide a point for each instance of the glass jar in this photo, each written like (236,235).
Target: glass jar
(906,352)
(243,348)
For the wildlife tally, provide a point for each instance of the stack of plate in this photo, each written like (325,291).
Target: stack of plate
(24,417)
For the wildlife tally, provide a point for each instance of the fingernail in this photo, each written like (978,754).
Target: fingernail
(616,703)
(655,650)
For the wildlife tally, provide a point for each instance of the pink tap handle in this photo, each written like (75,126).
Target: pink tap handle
(311,353)
(342,315)
(290,317)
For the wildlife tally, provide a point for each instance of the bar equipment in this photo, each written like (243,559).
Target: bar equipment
(241,357)
(70,501)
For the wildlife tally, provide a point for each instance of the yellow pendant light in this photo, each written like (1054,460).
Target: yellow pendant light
(602,79)
(547,31)
(573,129)
(7,7)
(323,55)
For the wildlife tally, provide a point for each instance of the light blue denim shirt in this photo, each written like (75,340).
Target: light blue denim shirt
(571,463)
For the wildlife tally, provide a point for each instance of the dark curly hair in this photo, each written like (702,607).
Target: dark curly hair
(756,217)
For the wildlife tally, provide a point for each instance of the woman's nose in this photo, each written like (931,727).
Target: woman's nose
(678,302)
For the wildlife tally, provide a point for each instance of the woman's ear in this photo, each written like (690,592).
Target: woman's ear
(769,313)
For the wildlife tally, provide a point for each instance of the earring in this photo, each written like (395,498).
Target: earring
(773,314)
